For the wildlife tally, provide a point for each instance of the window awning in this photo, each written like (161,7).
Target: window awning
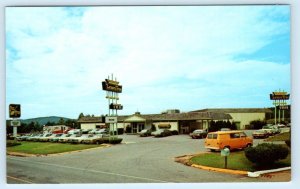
(164,125)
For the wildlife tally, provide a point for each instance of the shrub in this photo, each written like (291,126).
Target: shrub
(115,140)
(266,154)
(12,143)
(174,132)
(257,124)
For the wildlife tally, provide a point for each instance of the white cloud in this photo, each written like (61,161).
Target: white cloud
(165,57)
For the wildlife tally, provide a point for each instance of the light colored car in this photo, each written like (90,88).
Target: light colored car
(57,137)
(161,133)
(78,139)
(95,139)
(47,137)
(33,137)
(144,133)
(64,138)
(260,134)
(72,137)
(271,129)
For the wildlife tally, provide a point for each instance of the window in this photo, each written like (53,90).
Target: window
(234,135)
(243,134)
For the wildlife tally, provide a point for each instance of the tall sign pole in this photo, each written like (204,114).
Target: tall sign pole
(279,100)
(112,88)
(14,113)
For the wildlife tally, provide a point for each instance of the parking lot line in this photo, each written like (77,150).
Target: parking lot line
(18,179)
(95,171)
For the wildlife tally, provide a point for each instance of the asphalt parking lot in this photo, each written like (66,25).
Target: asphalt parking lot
(136,160)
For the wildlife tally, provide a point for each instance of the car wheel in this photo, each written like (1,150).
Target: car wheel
(248,145)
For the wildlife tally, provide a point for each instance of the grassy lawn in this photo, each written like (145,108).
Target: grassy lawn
(48,148)
(279,137)
(236,161)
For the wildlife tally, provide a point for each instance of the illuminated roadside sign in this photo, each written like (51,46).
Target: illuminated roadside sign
(280,96)
(109,119)
(110,85)
(285,107)
(115,106)
(15,123)
(14,110)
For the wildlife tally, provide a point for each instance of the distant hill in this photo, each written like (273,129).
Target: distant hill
(44,120)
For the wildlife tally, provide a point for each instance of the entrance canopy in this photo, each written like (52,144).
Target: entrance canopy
(134,118)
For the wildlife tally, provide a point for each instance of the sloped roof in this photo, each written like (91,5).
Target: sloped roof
(166,117)
(235,110)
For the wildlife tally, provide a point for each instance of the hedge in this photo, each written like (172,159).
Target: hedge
(266,154)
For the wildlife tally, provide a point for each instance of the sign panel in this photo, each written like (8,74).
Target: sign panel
(15,123)
(279,97)
(111,120)
(225,152)
(14,110)
(286,107)
(109,85)
(115,106)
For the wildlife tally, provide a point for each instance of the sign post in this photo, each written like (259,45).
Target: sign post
(15,112)
(225,152)
(112,88)
(279,100)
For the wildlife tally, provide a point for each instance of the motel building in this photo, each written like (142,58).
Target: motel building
(184,123)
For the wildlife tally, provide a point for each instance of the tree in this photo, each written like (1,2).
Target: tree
(61,121)
(80,115)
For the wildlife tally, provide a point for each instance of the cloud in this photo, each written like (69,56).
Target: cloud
(165,57)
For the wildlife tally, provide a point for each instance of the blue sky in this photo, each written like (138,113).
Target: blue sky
(184,57)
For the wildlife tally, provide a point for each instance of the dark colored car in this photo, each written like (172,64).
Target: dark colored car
(145,132)
(162,133)
(198,133)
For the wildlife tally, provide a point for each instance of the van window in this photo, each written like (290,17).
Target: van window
(234,135)
(212,136)
(243,134)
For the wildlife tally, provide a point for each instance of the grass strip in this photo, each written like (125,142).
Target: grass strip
(48,148)
(235,161)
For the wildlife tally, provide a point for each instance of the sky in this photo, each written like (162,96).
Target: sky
(165,57)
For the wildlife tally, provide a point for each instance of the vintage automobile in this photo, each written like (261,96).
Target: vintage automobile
(271,129)
(145,133)
(79,139)
(46,138)
(198,133)
(227,139)
(260,134)
(64,138)
(72,138)
(95,139)
(57,137)
(24,137)
(161,133)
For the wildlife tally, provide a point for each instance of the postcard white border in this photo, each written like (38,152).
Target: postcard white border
(295,71)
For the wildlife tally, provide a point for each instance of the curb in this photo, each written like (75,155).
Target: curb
(258,173)
(236,172)
(20,154)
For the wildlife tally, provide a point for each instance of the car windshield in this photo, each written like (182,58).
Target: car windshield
(198,131)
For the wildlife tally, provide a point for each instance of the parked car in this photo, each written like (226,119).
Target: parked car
(46,137)
(64,138)
(161,133)
(271,129)
(74,131)
(33,137)
(24,137)
(260,134)
(37,137)
(144,133)
(57,137)
(198,133)
(94,139)
(72,137)
(79,139)
(227,139)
